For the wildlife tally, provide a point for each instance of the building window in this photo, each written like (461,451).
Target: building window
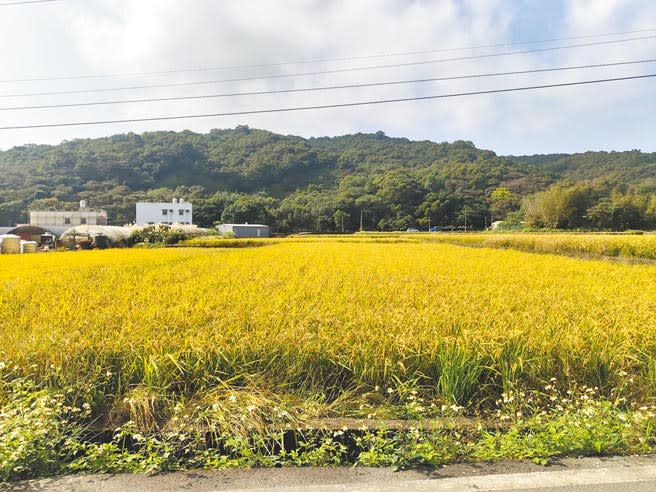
(67,220)
(165,212)
(83,220)
(180,212)
(186,211)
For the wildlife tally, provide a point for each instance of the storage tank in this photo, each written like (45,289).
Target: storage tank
(10,244)
(28,247)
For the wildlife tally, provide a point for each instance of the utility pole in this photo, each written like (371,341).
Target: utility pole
(361,226)
(465,209)
(342,223)
(319,217)
(429,227)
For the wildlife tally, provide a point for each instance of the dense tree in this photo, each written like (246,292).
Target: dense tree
(503,202)
(255,209)
(320,184)
(559,207)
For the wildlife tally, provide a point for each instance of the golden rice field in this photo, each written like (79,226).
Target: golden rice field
(328,317)
(611,245)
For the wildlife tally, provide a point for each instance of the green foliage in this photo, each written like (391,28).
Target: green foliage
(589,206)
(146,454)
(296,184)
(159,234)
(44,432)
(504,202)
(38,431)
(459,374)
(578,423)
(559,207)
(406,449)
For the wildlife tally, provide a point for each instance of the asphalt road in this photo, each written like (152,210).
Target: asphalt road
(633,474)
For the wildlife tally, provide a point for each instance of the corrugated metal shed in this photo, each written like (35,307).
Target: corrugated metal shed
(34,231)
(245,230)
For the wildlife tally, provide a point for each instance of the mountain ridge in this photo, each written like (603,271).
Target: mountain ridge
(294,183)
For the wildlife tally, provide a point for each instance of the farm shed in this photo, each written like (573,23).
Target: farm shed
(245,230)
(33,232)
(95,235)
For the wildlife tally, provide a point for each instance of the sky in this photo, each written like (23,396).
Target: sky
(66,41)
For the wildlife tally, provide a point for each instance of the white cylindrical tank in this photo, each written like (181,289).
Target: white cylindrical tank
(10,244)
(28,247)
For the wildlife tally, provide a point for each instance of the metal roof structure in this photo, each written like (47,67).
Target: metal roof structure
(245,225)
(34,230)
(245,230)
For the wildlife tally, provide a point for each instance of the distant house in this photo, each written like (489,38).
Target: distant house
(66,218)
(245,230)
(502,225)
(175,212)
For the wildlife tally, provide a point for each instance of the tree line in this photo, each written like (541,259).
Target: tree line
(330,184)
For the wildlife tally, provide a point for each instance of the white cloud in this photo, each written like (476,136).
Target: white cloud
(118,36)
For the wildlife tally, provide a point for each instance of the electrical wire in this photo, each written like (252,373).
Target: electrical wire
(323,88)
(324,60)
(25,2)
(322,72)
(324,106)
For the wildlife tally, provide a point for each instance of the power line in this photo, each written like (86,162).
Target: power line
(323,60)
(326,106)
(323,72)
(26,1)
(323,88)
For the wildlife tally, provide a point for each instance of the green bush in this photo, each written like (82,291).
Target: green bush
(38,431)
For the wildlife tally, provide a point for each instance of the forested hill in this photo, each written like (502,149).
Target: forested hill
(629,167)
(297,184)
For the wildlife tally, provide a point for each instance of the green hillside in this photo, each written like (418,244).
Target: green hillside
(317,184)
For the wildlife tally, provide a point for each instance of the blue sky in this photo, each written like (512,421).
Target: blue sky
(79,37)
(534,18)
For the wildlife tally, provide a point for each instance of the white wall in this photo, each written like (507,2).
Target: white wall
(64,218)
(154,213)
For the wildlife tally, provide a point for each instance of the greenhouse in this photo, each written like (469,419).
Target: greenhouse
(95,236)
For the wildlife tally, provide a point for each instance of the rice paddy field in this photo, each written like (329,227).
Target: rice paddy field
(637,247)
(305,329)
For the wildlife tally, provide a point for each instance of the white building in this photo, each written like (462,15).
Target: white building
(175,212)
(65,218)
(245,230)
